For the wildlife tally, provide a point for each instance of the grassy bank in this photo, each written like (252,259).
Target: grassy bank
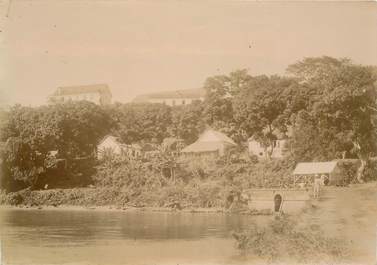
(192,183)
(282,241)
(181,184)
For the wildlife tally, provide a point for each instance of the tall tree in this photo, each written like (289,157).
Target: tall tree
(261,108)
(142,121)
(73,129)
(187,122)
(220,91)
(340,107)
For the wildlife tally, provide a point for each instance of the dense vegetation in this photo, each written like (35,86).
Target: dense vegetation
(283,240)
(325,105)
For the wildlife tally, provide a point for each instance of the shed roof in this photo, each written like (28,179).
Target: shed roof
(315,168)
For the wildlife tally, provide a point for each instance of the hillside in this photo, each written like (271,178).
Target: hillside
(349,213)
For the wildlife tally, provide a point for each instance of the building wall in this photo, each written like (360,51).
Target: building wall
(257,149)
(108,145)
(336,177)
(204,155)
(173,101)
(293,200)
(133,152)
(95,97)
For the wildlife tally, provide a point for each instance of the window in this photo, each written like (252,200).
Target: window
(183,102)
(173,102)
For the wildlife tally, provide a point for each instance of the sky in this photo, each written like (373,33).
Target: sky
(139,47)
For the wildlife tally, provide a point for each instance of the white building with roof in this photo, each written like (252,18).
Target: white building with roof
(99,94)
(210,142)
(111,145)
(172,98)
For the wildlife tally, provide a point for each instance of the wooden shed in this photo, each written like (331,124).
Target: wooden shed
(309,170)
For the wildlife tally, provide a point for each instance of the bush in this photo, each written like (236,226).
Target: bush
(198,181)
(281,240)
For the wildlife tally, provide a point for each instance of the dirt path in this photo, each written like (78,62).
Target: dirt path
(349,213)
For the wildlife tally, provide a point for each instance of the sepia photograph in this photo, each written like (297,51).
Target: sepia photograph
(171,132)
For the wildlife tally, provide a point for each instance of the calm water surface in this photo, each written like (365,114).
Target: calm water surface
(100,237)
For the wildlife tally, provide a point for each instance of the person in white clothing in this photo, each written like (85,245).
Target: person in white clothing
(317,186)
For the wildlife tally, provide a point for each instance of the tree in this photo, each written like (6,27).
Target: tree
(261,108)
(220,91)
(73,129)
(339,107)
(187,122)
(141,122)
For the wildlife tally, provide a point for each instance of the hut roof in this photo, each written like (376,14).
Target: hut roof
(315,168)
(199,147)
(209,141)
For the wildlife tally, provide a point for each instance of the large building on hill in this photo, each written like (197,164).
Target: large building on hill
(172,98)
(99,94)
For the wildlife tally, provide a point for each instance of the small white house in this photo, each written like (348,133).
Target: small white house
(256,148)
(110,144)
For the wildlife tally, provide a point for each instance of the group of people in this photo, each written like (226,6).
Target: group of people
(317,183)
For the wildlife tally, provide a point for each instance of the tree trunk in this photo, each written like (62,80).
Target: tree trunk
(270,149)
(360,171)
(363,160)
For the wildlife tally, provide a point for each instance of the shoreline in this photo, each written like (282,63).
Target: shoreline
(115,209)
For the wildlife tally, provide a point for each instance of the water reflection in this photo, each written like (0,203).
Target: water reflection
(83,226)
(57,236)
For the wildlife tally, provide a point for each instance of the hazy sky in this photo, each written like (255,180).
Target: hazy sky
(145,46)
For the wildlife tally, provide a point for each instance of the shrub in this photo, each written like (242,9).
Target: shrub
(281,240)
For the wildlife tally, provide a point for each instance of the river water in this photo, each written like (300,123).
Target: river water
(110,237)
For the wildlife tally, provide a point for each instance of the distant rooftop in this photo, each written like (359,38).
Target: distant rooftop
(72,90)
(184,93)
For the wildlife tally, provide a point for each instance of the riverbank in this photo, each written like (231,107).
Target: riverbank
(135,209)
(341,223)
(111,209)
(100,199)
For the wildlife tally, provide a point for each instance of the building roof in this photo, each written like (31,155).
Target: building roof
(199,147)
(209,141)
(315,168)
(184,93)
(74,90)
(115,139)
(210,135)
